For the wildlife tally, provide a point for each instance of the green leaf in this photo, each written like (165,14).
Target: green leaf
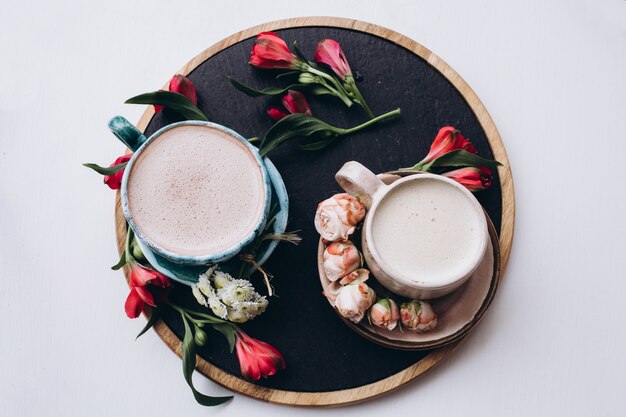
(155,315)
(228,330)
(174,101)
(297,125)
(106,170)
(189,364)
(287,74)
(121,262)
(461,158)
(271,91)
(316,146)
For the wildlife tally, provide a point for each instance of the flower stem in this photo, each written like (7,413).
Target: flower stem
(326,76)
(370,122)
(359,98)
(343,97)
(190,313)
(421,166)
(339,90)
(127,254)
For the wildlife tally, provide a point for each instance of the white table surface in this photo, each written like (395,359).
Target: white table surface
(552,75)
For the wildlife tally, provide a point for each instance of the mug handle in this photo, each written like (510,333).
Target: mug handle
(127,133)
(360,182)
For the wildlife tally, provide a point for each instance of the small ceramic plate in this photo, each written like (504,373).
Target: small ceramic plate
(457,312)
(188,274)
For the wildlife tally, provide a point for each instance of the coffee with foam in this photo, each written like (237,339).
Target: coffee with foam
(428,231)
(195,191)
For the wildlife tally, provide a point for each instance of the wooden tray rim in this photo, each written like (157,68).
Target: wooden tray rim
(393,382)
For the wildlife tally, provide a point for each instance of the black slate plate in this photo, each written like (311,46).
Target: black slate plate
(322,354)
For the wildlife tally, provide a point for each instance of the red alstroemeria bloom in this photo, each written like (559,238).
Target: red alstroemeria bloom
(147,286)
(115,181)
(276,113)
(271,52)
(256,358)
(182,85)
(329,52)
(473,178)
(447,140)
(294,102)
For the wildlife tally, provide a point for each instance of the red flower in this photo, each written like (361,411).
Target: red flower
(257,359)
(447,140)
(115,181)
(182,85)
(294,102)
(147,286)
(271,52)
(473,178)
(329,52)
(276,113)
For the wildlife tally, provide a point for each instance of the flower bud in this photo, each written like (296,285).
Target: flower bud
(136,250)
(181,85)
(114,181)
(341,258)
(329,52)
(384,314)
(354,300)
(473,178)
(418,316)
(276,114)
(295,102)
(271,52)
(336,217)
(200,338)
(355,277)
(307,78)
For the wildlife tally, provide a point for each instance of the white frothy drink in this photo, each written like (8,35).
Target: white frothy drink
(427,231)
(196,190)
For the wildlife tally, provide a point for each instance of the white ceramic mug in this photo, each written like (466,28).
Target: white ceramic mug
(462,232)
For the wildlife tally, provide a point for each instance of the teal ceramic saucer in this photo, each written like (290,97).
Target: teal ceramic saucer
(188,274)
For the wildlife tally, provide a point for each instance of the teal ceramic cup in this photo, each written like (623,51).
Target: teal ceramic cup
(138,143)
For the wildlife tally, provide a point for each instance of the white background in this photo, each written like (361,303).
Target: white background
(552,75)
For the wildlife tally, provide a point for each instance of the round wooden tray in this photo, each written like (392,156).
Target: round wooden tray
(469,115)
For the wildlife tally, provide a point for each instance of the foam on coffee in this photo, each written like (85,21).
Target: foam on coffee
(427,231)
(196,191)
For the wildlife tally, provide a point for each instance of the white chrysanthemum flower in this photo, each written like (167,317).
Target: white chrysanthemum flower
(221,279)
(199,296)
(236,290)
(218,308)
(204,285)
(209,272)
(251,308)
(228,298)
(237,316)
